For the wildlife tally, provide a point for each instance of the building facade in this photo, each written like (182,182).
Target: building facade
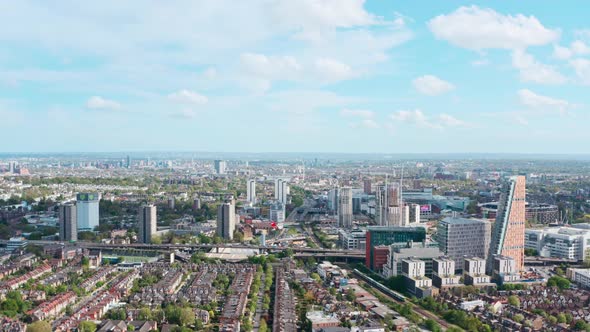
(251,191)
(220,166)
(147,222)
(509,228)
(560,242)
(345,208)
(226,220)
(87,211)
(386,236)
(68,222)
(462,237)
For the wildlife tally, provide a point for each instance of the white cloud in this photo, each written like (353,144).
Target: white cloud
(582,69)
(210,73)
(483,28)
(97,102)
(188,97)
(539,102)
(366,124)
(450,121)
(332,71)
(480,62)
(271,67)
(431,85)
(310,19)
(418,118)
(577,47)
(533,71)
(357,113)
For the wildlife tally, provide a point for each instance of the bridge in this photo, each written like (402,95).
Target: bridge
(300,252)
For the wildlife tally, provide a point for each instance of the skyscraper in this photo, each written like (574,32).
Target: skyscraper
(388,208)
(147,220)
(226,220)
(345,208)
(68,228)
(281,190)
(220,166)
(128,161)
(251,191)
(367,188)
(87,211)
(508,232)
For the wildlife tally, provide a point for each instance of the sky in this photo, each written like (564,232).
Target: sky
(352,76)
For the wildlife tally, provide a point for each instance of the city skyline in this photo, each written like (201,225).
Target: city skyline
(296,72)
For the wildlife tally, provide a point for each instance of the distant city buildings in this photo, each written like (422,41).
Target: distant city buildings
(147,220)
(508,235)
(196,203)
(461,237)
(345,208)
(226,220)
(87,211)
(251,191)
(367,186)
(220,167)
(68,222)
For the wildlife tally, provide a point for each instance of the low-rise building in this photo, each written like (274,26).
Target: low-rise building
(320,320)
(474,272)
(443,273)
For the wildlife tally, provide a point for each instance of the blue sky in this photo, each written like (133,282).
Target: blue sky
(288,76)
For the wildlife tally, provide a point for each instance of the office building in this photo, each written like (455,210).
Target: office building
(220,167)
(389,210)
(16,244)
(333,200)
(425,251)
(462,237)
(509,229)
(147,223)
(474,272)
(579,276)
(345,208)
(560,242)
(251,191)
(352,240)
(378,236)
(128,162)
(367,187)
(277,212)
(68,222)
(226,220)
(443,273)
(504,269)
(87,211)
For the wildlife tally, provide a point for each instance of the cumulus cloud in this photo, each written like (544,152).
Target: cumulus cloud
(483,28)
(431,85)
(418,118)
(582,69)
(357,113)
(534,71)
(100,103)
(188,97)
(577,47)
(185,113)
(535,101)
(332,70)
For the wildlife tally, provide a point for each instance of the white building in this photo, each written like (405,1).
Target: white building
(504,269)
(443,273)
(352,240)
(474,271)
(579,276)
(251,191)
(414,271)
(277,212)
(281,190)
(87,211)
(560,242)
(422,251)
(220,166)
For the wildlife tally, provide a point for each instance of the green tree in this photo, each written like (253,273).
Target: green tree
(518,318)
(263,327)
(432,325)
(39,326)
(87,326)
(514,300)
